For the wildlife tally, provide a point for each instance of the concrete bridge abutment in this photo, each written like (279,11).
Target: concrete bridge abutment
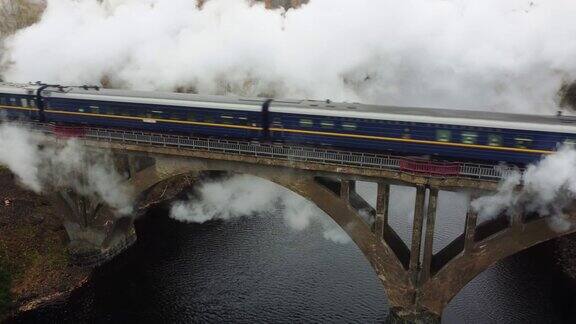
(96,233)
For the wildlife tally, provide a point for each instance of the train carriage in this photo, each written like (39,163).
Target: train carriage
(175,113)
(18,101)
(444,133)
(455,134)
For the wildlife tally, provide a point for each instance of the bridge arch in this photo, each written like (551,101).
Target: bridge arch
(414,290)
(382,259)
(478,256)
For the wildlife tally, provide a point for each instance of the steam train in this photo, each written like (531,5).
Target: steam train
(442,133)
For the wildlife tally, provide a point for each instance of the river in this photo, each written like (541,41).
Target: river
(257,269)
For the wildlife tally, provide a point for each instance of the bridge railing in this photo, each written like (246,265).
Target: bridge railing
(290,153)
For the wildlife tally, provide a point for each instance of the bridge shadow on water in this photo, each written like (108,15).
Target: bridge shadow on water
(256,269)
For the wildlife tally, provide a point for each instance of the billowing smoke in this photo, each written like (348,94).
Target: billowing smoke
(244,195)
(548,188)
(44,168)
(515,55)
(496,55)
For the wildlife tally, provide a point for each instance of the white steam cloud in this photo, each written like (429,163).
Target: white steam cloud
(509,55)
(43,168)
(548,187)
(495,55)
(244,195)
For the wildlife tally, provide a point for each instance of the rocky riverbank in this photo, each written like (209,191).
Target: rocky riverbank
(566,254)
(34,267)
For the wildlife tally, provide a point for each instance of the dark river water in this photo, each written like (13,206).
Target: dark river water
(257,269)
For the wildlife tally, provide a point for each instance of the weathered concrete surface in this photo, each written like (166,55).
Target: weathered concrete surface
(95,233)
(442,287)
(398,316)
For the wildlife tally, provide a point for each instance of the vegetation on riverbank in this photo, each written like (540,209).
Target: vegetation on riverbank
(33,248)
(5,281)
(17,14)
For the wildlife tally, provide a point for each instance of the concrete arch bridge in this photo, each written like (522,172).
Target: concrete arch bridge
(418,283)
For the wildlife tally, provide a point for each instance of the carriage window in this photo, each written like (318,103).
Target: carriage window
(494,140)
(24,102)
(306,122)
(227,119)
(32,103)
(156,114)
(571,142)
(443,135)
(81,109)
(349,126)
(327,124)
(521,142)
(95,109)
(469,137)
(2,101)
(12,102)
(277,122)
(243,120)
(406,133)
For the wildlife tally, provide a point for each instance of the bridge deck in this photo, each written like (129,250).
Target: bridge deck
(292,153)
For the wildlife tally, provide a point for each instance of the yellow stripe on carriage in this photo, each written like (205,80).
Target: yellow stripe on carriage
(407,140)
(147,119)
(19,108)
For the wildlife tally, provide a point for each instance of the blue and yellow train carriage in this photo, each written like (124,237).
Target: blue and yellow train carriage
(459,134)
(18,101)
(180,113)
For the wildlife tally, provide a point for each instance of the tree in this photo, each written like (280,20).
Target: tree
(17,14)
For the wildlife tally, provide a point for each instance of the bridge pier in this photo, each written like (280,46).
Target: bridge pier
(398,316)
(382,201)
(429,238)
(417,225)
(95,233)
